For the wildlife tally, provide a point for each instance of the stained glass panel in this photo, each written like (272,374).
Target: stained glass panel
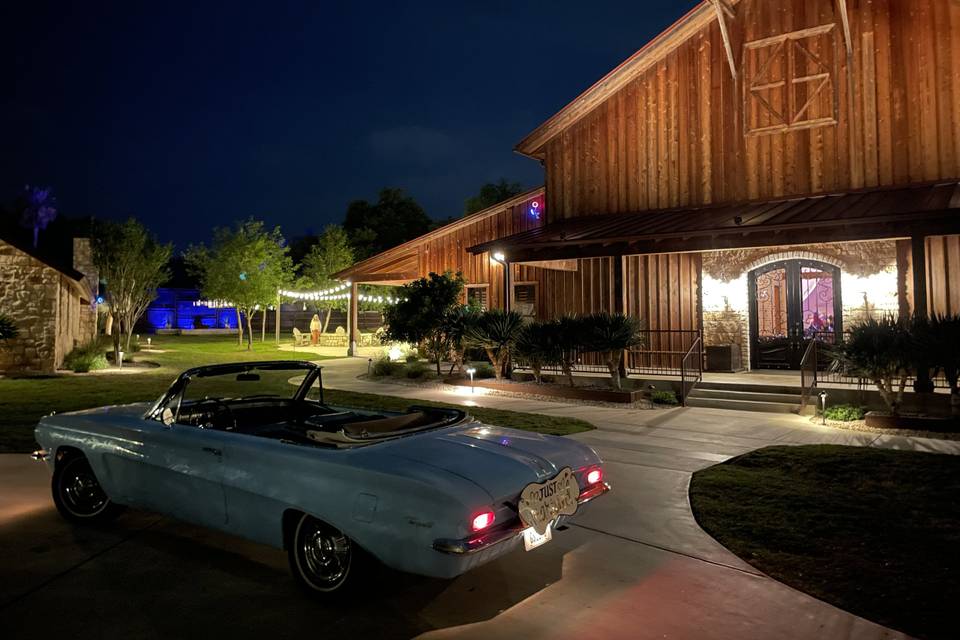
(816,296)
(772,304)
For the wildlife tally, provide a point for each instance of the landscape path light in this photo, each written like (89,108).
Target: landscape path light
(120,360)
(470,372)
(823,407)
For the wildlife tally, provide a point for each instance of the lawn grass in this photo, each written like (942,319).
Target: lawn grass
(23,401)
(873,531)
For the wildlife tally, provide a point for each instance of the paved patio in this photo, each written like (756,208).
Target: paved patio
(635,565)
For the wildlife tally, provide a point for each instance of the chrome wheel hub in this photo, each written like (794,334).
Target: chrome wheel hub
(83,494)
(326,554)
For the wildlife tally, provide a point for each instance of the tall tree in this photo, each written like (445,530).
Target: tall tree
(490,194)
(132,265)
(39,210)
(244,266)
(393,219)
(331,253)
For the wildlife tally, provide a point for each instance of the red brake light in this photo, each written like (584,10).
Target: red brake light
(594,476)
(482,520)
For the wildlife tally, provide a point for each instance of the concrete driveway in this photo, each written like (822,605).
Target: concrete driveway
(635,566)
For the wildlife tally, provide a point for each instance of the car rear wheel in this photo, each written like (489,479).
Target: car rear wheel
(78,495)
(323,560)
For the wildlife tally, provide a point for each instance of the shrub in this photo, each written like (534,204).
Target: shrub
(881,351)
(87,357)
(845,413)
(416,371)
(539,346)
(496,331)
(663,397)
(384,367)
(412,357)
(8,330)
(611,334)
(938,342)
(483,370)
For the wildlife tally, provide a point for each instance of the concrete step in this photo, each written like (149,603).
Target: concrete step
(743,405)
(786,389)
(753,396)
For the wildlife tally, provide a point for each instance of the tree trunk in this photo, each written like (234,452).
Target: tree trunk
(239,328)
(326,320)
(116,347)
(536,372)
(497,373)
(263,326)
(567,372)
(249,331)
(614,368)
(108,324)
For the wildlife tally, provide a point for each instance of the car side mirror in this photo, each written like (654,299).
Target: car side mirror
(166,417)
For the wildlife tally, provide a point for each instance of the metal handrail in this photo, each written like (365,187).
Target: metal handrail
(696,347)
(808,368)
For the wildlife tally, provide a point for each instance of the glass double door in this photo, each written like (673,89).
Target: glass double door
(791,303)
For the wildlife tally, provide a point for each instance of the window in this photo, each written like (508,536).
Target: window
(789,81)
(477,296)
(525,299)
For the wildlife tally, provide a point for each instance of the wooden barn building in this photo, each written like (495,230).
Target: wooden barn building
(761,174)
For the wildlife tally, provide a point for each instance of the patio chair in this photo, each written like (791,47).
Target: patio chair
(300,339)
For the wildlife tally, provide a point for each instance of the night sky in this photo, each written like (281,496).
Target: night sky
(192,115)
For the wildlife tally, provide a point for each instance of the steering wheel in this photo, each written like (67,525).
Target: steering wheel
(222,407)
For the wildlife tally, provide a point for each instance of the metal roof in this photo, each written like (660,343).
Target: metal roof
(855,215)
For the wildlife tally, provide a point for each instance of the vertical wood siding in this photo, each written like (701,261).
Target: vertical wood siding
(943,274)
(675,135)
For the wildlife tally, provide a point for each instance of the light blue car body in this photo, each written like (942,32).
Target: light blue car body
(396,498)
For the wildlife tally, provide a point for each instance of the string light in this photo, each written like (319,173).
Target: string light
(324,294)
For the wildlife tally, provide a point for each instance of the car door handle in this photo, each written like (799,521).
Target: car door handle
(213,451)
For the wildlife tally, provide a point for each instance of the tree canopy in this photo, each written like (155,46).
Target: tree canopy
(421,316)
(244,266)
(490,194)
(132,265)
(393,219)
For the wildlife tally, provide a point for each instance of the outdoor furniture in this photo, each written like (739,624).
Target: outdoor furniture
(300,339)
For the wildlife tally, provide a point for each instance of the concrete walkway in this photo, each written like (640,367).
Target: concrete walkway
(636,565)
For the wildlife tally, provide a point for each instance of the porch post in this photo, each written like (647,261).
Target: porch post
(918,250)
(618,304)
(506,286)
(353,316)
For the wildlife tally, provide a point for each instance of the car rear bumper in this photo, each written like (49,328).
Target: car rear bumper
(510,532)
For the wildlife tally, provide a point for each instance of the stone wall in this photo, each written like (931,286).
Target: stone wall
(29,294)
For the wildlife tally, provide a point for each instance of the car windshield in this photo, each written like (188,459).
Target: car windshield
(246,383)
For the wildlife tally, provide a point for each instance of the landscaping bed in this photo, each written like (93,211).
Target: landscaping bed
(593,393)
(872,531)
(937,424)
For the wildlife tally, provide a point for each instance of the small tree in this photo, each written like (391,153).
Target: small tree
(422,313)
(244,266)
(938,340)
(880,350)
(132,265)
(330,254)
(496,331)
(490,194)
(611,334)
(538,345)
(568,332)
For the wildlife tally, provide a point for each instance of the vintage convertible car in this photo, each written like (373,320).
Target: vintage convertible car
(253,449)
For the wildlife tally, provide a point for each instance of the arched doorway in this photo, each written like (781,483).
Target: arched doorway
(791,303)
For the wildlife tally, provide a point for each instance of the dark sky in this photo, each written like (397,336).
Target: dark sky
(191,115)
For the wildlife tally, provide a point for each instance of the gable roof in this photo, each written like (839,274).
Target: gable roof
(695,20)
(49,261)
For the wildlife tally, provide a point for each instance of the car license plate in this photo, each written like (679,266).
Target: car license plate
(541,503)
(532,539)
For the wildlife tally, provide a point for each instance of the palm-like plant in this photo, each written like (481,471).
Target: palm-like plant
(938,340)
(8,330)
(496,332)
(568,332)
(457,323)
(880,350)
(611,334)
(538,346)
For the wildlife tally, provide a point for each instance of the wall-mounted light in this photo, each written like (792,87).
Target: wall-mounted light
(498,256)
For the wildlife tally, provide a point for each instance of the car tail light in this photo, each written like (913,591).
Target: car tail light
(594,476)
(482,520)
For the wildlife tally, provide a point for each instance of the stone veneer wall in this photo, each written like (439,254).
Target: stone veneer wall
(29,294)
